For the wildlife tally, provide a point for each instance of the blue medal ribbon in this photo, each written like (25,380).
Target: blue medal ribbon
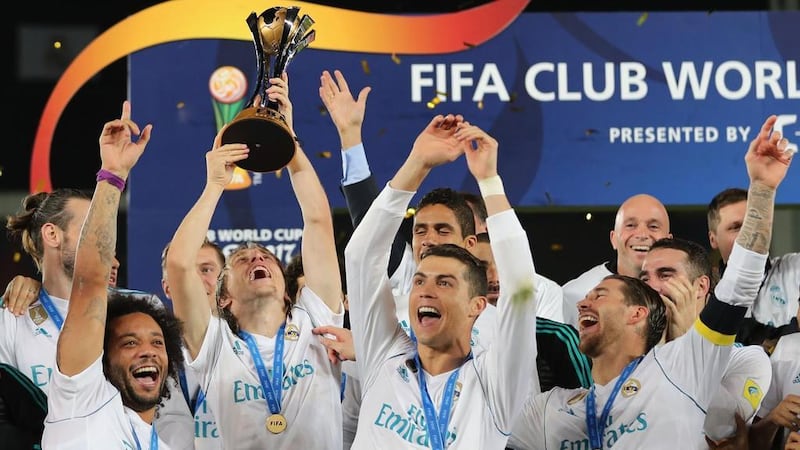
(596,429)
(153,438)
(272,392)
(436,424)
(47,302)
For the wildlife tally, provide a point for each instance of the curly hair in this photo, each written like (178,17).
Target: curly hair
(121,304)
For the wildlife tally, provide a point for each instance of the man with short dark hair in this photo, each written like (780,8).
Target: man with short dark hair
(773,312)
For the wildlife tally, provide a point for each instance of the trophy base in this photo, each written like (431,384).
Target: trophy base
(265,132)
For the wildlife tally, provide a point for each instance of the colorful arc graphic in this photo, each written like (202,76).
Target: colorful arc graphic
(177,20)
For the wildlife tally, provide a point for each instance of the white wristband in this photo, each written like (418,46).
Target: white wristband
(491,186)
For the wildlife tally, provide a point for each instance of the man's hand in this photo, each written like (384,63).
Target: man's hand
(221,161)
(736,442)
(278,92)
(793,441)
(341,347)
(767,159)
(20,293)
(680,297)
(787,413)
(437,144)
(479,149)
(346,112)
(118,151)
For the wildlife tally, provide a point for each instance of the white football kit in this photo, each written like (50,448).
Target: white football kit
(310,397)
(664,400)
(785,361)
(490,387)
(85,412)
(29,341)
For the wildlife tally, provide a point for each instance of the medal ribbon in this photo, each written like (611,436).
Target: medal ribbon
(436,424)
(596,429)
(153,438)
(45,300)
(271,392)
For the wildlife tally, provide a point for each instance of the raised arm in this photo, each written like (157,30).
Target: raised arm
(189,299)
(516,318)
(358,184)
(81,340)
(320,260)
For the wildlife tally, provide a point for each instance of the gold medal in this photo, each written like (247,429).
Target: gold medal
(276,423)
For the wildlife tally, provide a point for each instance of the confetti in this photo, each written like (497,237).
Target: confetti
(468,45)
(642,19)
(365,66)
(395,58)
(181,105)
(323,110)
(590,131)
(433,102)
(513,97)
(410,213)
(326,154)
(279,173)
(480,104)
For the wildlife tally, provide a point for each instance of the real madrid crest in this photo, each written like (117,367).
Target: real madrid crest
(631,387)
(38,314)
(292,333)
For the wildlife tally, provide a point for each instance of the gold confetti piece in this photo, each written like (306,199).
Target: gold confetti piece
(513,97)
(410,213)
(365,66)
(279,173)
(17,257)
(395,58)
(642,19)
(181,105)
(590,131)
(433,102)
(468,45)
(556,247)
(323,110)
(480,104)
(441,94)
(325,154)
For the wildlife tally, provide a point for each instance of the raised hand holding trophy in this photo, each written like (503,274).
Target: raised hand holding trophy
(278,35)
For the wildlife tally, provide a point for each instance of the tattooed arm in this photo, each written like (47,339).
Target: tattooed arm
(81,340)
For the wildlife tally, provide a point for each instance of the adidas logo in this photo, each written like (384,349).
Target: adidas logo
(796,379)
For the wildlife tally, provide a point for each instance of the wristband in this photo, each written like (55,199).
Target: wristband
(491,186)
(111,178)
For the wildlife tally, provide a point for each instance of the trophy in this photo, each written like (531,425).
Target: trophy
(278,33)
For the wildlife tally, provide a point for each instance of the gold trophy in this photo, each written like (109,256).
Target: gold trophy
(279,34)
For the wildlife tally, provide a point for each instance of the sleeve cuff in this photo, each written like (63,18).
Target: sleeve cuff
(742,278)
(355,167)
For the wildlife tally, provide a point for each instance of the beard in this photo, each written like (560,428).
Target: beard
(68,258)
(120,378)
(590,346)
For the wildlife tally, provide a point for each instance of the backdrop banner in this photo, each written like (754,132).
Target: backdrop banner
(588,109)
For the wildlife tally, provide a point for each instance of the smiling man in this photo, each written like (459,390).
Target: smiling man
(647,395)
(640,221)
(415,394)
(115,352)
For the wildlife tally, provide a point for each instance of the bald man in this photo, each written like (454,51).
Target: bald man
(641,220)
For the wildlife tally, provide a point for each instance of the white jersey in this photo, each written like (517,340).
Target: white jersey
(576,289)
(181,427)
(747,377)
(665,398)
(85,412)
(490,387)
(785,361)
(310,400)
(29,341)
(777,300)
(549,299)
